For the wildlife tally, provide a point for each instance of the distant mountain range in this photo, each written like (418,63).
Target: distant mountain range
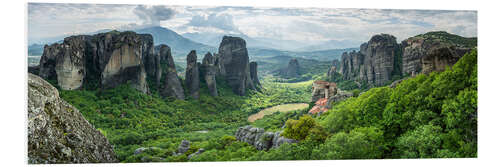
(209,42)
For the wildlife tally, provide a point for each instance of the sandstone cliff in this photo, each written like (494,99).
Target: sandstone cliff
(108,59)
(208,70)
(172,86)
(57,131)
(233,64)
(374,63)
(192,75)
(434,51)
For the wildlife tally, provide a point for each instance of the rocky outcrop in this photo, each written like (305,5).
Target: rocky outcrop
(183,147)
(323,89)
(340,96)
(198,152)
(261,139)
(433,51)
(208,70)
(293,68)
(233,63)
(57,131)
(105,59)
(253,74)
(192,75)
(374,63)
(172,85)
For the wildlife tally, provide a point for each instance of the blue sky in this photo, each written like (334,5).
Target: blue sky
(296,24)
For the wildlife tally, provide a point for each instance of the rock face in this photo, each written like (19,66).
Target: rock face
(293,68)
(108,59)
(172,86)
(340,96)
(209,71)
(253,74)
(433,51)
(261,139)
(233,63)
(57,131)
(323,89)
(375,61)
(193,75)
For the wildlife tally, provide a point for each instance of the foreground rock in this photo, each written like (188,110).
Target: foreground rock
(107,59)
(233,64)
(57,131)
(192,75)
(172,86)
(183,147)
(261,139)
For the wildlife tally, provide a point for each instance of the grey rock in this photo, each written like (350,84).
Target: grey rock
(261,139)
(254,76)
(183,147)
(110,59)
(201,150)
(172,86)
(208,72)
(233,63)
(293,68)
(338,97)
(374,63)
(193,75)
(58,132)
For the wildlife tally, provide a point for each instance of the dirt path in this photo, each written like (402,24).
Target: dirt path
(278,108)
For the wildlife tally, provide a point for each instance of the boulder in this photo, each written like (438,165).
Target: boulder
(172,86)
(183,147)
(261,139)
(233,63)
(58,132)
(201,150)
(192,75)
(208,72)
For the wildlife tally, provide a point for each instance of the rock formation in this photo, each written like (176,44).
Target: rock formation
(253,74)
(374,63)
(293,68)
(261,139)
(57,131)
(183,147)
(323,89)
(107,59)
(233,63)
(172,86)
(198,152)
(433,51)
(192,75)
(339,96)
(208,70)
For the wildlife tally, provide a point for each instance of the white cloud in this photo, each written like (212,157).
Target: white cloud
(308,25)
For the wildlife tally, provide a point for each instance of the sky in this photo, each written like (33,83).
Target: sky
(306,25)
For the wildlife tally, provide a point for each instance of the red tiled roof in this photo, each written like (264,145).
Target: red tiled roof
(319,107)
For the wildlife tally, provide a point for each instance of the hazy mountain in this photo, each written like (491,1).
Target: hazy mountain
(332,44)
(178,43)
